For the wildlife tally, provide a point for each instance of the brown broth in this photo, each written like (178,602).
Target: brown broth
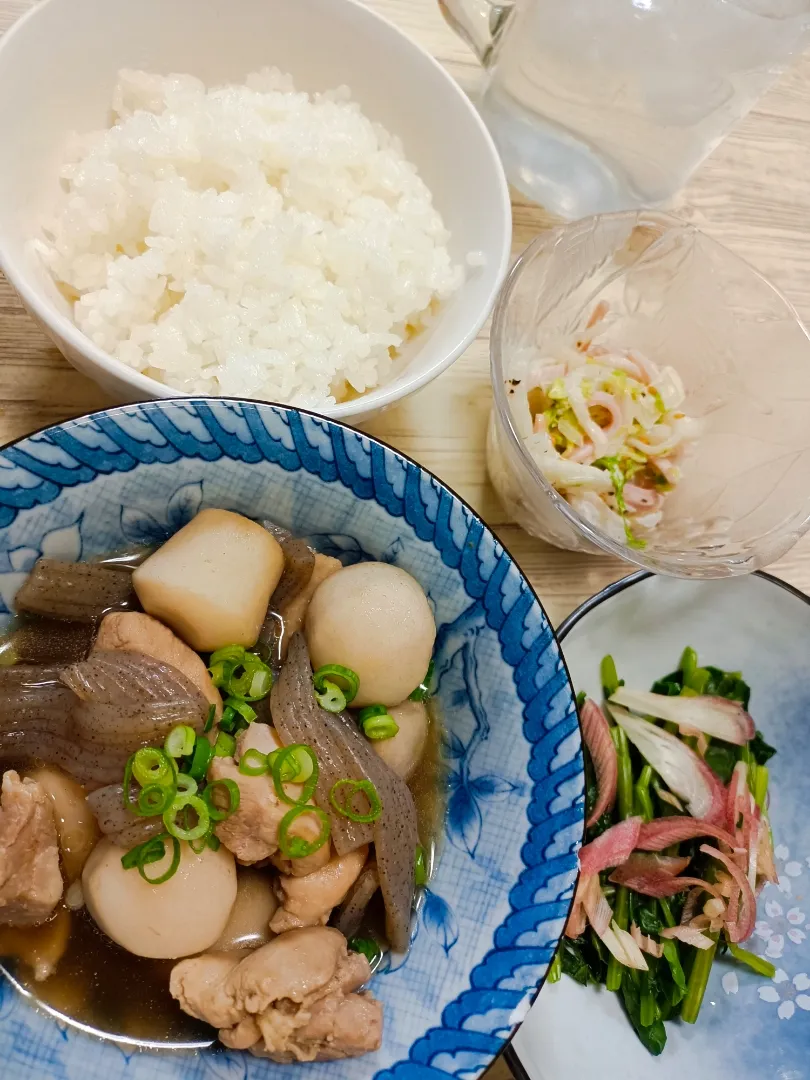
(101,985)
(429,788)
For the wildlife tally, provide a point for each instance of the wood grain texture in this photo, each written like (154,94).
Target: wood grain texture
(752,194)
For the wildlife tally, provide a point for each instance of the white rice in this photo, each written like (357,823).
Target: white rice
(247,240)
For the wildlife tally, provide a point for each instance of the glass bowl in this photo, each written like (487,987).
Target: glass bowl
(686,301)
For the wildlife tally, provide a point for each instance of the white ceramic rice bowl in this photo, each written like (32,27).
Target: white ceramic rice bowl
(58,67)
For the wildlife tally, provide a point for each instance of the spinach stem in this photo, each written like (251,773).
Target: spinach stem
(609,675)
(621,916)
(698,980)
(761,778)
(643,799)
(688,664)
(757,963)
(666,909)
(625,800)
(624,789)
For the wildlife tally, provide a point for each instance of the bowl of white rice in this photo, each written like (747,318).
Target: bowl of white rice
(285,200)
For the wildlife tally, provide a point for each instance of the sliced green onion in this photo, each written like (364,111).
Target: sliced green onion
(172,868)
(250,679)
(261,685)
(213,841)
(296,847)
(253,763)
(152,851)
(342,797)
(228,654)
(203,752)
(368,947)
(182,803)
(288,766)
(224,662)
(154,799)
(370,711)
(346,680)
(236,716)
(225,745)
(420,870)
(152,766)
(180,741)
(422,692)
(209,720)
(377,723)
(199,845)
(331,697)
(242,708)
(186,784)
(228,722)
(215,812)
(220,673)
(299,765)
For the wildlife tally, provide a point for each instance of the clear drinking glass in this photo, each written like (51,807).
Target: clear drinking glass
(601,105)
(683,300)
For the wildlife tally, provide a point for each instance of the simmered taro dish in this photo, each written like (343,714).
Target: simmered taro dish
(220,788)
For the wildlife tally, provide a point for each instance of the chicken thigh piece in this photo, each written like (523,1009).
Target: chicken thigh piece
(308,901)
(30,878)
(294,999)
(252,832)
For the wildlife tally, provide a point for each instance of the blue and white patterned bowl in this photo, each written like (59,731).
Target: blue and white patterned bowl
(750,1027)
(495,909)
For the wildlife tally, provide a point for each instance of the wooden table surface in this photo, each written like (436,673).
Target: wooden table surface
(753,194)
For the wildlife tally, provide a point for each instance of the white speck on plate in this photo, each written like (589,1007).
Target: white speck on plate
(793,869)
(731,983)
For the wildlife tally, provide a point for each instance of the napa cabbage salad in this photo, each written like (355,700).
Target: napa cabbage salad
(606,428)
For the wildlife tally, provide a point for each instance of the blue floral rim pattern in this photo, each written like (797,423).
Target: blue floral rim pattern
(34,471)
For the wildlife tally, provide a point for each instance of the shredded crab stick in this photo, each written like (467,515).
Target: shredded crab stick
(606,428)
